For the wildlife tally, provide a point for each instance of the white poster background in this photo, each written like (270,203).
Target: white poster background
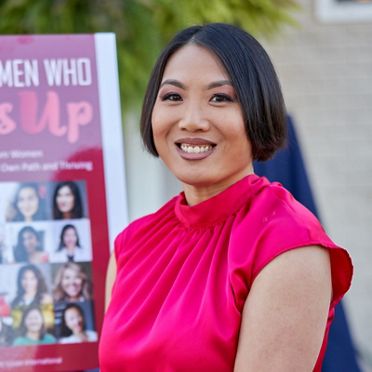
(112,134)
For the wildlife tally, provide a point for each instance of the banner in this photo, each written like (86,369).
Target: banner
(60,138)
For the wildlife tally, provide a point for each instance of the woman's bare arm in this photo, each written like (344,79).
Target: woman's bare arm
(110,278)
(285,314)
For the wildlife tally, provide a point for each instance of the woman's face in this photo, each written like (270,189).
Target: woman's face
(72,283)
(74,320)
(27,202)
(34,321)
(30,241)
(197,121)
(65,199)
(70,237)
(29,281)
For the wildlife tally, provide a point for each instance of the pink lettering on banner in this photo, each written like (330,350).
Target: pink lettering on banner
(50,115)
(52,110)
(7,125)
(78,114)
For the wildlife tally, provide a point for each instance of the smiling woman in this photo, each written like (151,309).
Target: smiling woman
(74,327)
(198,117)
(29,246)
(233,274)
(32,290)
(72,285)
(28,205)
(32,329)
(67,202)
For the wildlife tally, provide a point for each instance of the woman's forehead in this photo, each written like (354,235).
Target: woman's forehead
(196,62)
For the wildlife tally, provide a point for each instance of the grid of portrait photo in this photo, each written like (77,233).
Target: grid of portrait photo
(46,294)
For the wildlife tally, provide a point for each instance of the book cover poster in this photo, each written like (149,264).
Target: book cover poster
(54,243)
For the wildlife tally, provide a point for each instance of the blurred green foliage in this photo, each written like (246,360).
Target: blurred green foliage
(142,27)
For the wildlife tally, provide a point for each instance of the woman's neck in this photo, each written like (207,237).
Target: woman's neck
(67,215)
(81,335)
(196,194)
(33,335)
(29,295)
(73,299)
(34,256)
(78,332)
(70,248)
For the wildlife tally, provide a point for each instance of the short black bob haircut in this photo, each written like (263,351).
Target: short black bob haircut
(252,76)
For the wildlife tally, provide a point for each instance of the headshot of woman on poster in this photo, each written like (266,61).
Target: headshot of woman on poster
(29,247)
(28,204)
(32,290)
(70,245)
(73,327)
(73,285)
(32,330)
(67,201)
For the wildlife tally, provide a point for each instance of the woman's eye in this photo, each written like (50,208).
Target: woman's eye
(217,98)
(174,97)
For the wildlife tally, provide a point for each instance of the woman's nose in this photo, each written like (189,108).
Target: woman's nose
(194,119)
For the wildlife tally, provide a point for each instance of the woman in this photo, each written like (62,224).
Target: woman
(233,273)
(31,287)
(31,291)
(29,247)
(69,248)
(73,327)
(27,205)
(32,329)
(72,285)
(67,202)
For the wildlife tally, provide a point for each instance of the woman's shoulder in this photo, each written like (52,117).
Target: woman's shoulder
(276,220)
(68,339)
(17,302)
(41,257)
(46,299)
(275,223)
(21,340)
(163,213)
(58,256)
(91,335)
(48,339)
(275,203)
(146,225)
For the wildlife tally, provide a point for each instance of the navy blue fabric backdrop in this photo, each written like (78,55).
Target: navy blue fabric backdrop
(288,168)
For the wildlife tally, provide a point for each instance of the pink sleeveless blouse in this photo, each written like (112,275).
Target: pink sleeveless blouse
(183,274)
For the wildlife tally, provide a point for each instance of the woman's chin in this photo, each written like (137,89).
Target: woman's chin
(196,178)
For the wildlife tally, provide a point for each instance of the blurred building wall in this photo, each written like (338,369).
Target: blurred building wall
(326,75)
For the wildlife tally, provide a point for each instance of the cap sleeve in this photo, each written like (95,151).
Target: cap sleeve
(285,227)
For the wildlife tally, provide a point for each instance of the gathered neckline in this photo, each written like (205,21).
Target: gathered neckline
(220,206)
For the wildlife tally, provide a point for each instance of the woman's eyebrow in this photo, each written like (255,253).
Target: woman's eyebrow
(219,83)
(212,85)
(174,82)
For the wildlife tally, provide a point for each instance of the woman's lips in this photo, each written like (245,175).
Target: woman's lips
(194,148)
